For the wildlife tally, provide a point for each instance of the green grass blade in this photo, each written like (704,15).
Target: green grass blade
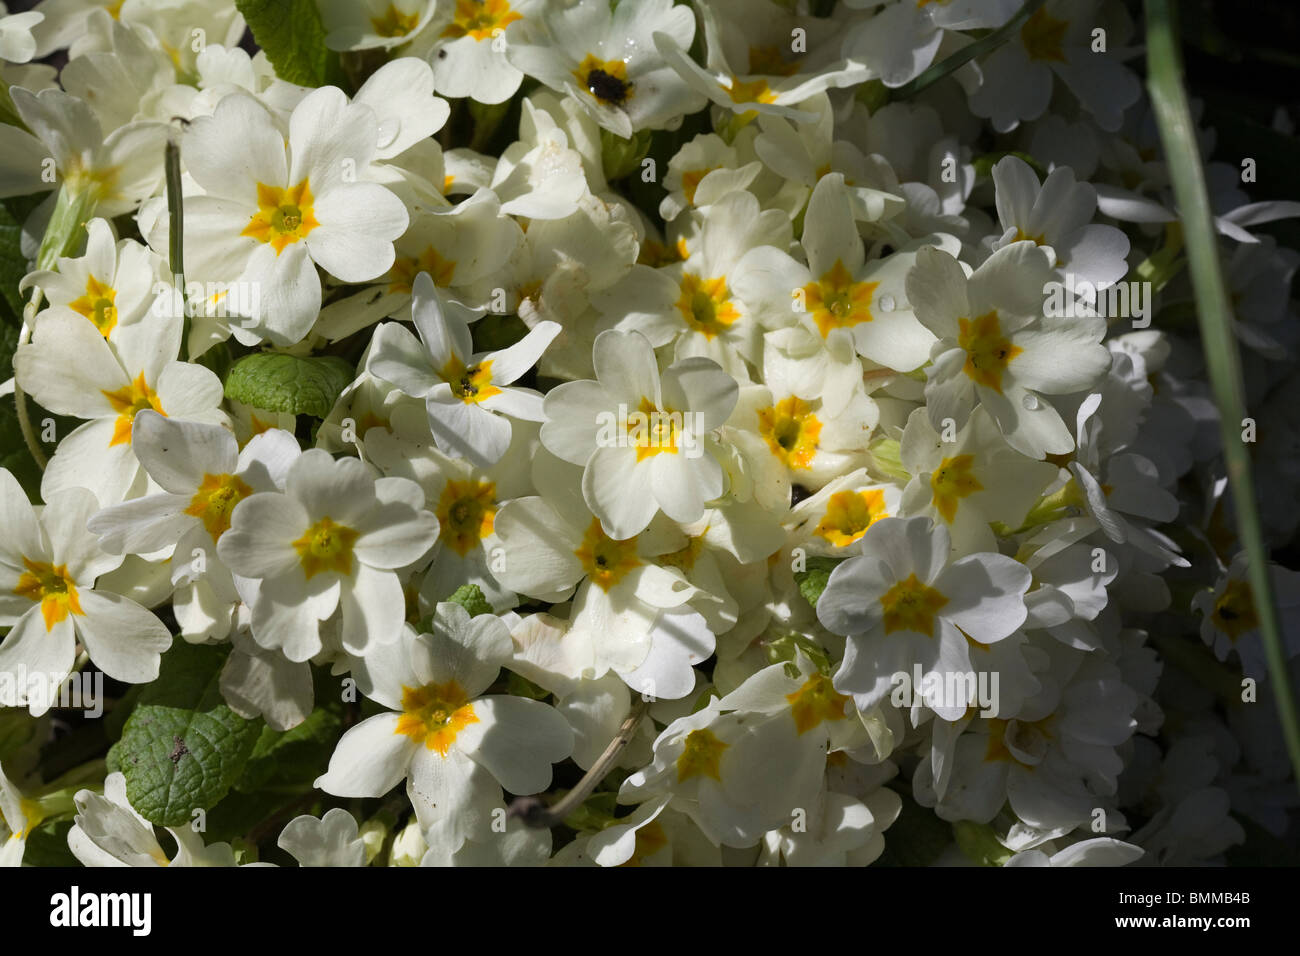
(1214,313)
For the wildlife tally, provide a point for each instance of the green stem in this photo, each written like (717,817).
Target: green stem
(1214,312)
(985,44)
(176,234)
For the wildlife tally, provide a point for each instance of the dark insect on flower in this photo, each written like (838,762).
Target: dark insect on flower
(608,88)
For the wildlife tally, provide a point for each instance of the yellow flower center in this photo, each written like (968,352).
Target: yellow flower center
(751,91)
(326,546)
(470,383)
(1234,612)
(651,430)
(283,216)
(691,181)
(606,80)
(406,268)
(394,23)
(1043,36)
(606,560)
(466,513)
(1026,732)
(988,351)
(815,702)
(98,305)
(684,558)
(837,302)
(128,400)
(791,430)
(849,514)
(650,839)
(50,586)
(911,605)
(480,20)
(952,481)
(435,714)
(706,304)
(215,500)
(701,755)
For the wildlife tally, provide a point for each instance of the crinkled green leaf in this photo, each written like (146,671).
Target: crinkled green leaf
(294,756)
(470,597)
(292,35)
(812,580)
(289,383)
(182,748)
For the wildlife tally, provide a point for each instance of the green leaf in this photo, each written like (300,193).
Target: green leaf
(917,838)
(980,844)
(293,37)
(812,580)
(1214,310)
(279,382)
(13,264)
(47,845)
(182,747)
(470,597)
(292,757)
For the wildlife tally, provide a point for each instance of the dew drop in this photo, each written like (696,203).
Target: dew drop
(886,303)
(1031,403)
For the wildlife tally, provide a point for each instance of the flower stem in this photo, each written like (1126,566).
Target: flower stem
(535,813)
(1214,313)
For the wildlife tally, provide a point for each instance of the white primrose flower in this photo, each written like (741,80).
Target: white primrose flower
(49,565)
(768,82)
(17,45)
(1053,761)
(112,284)
(1230,622)
(1099,851)
(848,302)
(286,203)
(71,369)
(640,437)
(334,539)
(606,60)
(970,481)
(692,304)
(113,173)
(1015,80)
(203,475)
(904,602)
(716,764)
(629,613)
(1059,214)
(467,394)
(998,348)
(455,747)
(109,832)
(330,840)
(375,24)
(465,499)
(470,56)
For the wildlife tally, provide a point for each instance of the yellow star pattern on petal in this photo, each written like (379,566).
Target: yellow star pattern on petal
(283,217)
(435,714)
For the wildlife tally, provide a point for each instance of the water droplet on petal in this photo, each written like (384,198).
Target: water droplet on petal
(886,303)
(1031,403)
